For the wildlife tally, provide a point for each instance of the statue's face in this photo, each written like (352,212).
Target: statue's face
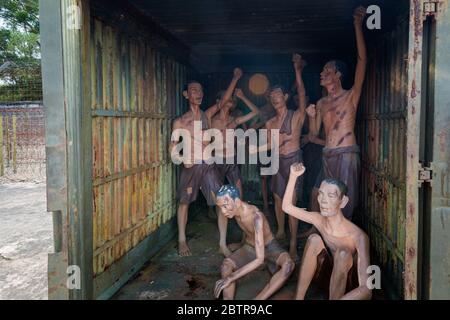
(329,75)
(278,98)
(194,93)
(330,199)
(230,104)
(227,205)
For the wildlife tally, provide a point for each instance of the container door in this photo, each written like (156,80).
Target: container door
(68,146)
(435,153)
(109,98)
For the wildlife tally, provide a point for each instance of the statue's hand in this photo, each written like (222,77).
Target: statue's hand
(220,285)
(297,169)
(358,14)
(298,61)
(237,73)
(311,111)
(238,93)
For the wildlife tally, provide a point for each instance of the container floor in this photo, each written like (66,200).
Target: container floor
(170,277)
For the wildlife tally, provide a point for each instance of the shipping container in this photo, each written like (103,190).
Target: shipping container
(113,73)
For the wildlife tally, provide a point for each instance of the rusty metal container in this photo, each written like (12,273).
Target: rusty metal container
(112,83)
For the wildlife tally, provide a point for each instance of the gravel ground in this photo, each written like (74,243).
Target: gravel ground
(25,241)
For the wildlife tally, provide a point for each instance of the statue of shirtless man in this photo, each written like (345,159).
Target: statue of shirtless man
(260,246)
(201,176)
(337,110)
(289,123)
(223,121)
(340,252)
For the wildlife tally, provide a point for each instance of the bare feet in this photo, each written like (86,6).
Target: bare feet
(307,233)
(183,249)
(225,251)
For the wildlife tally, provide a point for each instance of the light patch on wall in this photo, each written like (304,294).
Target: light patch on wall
(258,84)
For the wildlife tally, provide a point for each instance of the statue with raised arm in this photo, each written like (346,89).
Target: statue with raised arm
(339,253)
(260,246)
(337,111)
(222,121)
(289,124)
(197,176)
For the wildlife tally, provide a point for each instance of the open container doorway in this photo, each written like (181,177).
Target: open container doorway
(113,73)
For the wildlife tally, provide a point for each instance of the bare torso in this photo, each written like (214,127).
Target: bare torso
(288,142)
(247,223)
(346,239)
(223,123)
(186,121)
(338,115)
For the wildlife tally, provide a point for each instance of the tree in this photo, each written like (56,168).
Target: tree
(21,14)
(20,77)
(19,38)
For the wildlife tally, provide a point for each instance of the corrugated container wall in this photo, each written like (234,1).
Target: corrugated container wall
(112,83)
(381,127)
(120,96)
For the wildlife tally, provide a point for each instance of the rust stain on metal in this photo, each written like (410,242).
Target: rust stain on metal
(413,93)
(411,288)
(411,252)
(411,210)
(417,19)
(130,147)
(382,137)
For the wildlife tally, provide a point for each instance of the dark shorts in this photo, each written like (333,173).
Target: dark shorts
(247,254)
(343,164)
(230,171)
(312,160)
(281,178)
(203,176)
(325,268)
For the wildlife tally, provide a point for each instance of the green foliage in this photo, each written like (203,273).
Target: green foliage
(20,77)
(23,14)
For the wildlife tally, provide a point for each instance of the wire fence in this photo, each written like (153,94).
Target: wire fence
(22,130)
(22,137)
(20,82)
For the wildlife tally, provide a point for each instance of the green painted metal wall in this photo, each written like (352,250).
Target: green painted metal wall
(110,97)
(136,93)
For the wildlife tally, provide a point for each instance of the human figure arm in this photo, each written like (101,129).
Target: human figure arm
(301,93)
(360,72)
(254,109)
(259,249)
(177,132)
(362,292)
(314,218)
(316,140)
(211,111)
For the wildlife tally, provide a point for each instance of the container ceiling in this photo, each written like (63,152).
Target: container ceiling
(223,32)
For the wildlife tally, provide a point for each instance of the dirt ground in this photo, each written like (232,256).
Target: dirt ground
(169,277)
(25,241)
